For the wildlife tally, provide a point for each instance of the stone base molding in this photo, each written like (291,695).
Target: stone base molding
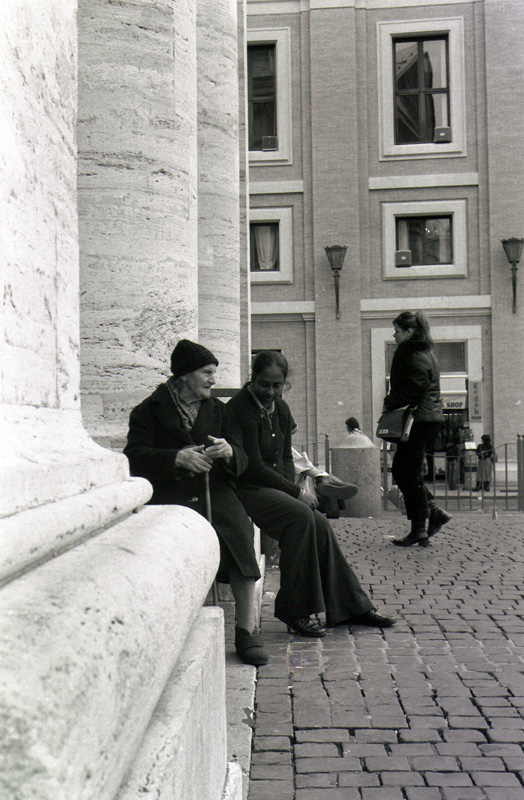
(106,642)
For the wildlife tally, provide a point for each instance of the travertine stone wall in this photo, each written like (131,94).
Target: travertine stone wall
(45,455)
(218,185)
(137,199)
(89,641)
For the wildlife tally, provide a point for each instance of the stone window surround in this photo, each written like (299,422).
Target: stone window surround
(456,208)
(284,217)
(452,26)
(281,38)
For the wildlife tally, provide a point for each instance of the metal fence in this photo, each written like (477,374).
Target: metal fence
(453,480)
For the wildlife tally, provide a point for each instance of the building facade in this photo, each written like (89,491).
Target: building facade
(393,128)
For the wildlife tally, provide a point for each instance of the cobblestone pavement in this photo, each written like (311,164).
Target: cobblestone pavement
(431,709)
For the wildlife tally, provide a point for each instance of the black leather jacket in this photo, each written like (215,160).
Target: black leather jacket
(415,380)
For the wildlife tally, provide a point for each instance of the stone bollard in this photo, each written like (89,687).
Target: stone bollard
(361,466)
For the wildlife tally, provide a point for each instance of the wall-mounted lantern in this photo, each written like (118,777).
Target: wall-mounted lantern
(513,249)
(336,254)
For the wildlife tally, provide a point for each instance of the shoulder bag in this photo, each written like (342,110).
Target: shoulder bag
(395,425)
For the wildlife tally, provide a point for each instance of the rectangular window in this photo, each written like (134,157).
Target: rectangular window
(430,239)
(421,83)
(264,245)
(262,97)
(421,88)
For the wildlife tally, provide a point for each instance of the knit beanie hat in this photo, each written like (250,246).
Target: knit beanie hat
(189,356)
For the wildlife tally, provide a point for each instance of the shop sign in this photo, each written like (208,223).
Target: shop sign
(454,402)
(475,401)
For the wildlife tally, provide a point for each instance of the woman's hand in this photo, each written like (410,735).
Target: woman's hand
(308,498)
(194,459)
(219,448)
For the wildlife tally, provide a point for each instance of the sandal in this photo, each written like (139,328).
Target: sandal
(250,648)
(305,626)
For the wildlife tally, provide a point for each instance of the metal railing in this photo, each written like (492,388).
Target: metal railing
(453,479)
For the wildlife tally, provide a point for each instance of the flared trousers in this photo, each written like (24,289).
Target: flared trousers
(314,575)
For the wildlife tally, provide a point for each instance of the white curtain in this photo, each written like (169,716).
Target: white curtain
(266,242)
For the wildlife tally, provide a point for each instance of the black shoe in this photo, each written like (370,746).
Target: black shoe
(373,620)
(414,537)
(250,648)
(331,486)
(305,626)
(437,518)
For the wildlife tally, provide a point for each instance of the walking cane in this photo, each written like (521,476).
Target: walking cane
(214,587)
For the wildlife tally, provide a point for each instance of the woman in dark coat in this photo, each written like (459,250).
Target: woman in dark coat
(415,381)
(176,436)
(486,457)
(314,576)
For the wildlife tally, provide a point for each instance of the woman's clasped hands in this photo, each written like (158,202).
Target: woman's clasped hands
(199,458)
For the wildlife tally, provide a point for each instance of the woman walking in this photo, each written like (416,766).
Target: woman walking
(415,381)
(314,576)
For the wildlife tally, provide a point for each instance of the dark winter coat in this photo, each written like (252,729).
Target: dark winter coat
(156,434)
(415,380)
(268,445)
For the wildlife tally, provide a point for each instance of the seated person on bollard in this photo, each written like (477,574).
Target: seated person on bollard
(314,575)
(355,437)
(180,437)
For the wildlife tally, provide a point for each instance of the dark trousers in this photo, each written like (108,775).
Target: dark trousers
(407,470)
(314,575)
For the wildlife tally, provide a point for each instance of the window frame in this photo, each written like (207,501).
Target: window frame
(387,33)
(284,217)
(457,209)
(281,38)
(421,91)
(424,218)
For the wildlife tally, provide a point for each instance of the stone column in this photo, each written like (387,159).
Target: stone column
(137,200)
(46,455)
(504,21)
(218,185)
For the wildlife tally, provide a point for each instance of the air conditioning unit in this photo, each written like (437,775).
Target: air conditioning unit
(442,135)
(403,258)
(270,143)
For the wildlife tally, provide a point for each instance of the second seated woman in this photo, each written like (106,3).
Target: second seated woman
(314,575)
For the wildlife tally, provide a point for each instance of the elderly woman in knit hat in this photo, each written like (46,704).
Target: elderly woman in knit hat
(176,435)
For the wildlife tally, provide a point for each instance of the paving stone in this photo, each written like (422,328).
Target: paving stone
(425,793)
(483,763)
(506,794)
(358,779)
(270,757)
(420,735)
(495,779)
(325,794)
(402,779)
(325,764)
(280,743)
(311,750)
(390,763)
(322,735)
(271,772)
(448,779)
(269,790)
(316,780)
(358,750)
(383,793)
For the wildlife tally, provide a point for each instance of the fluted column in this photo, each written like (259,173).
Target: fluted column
(137,199)
(218,185)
